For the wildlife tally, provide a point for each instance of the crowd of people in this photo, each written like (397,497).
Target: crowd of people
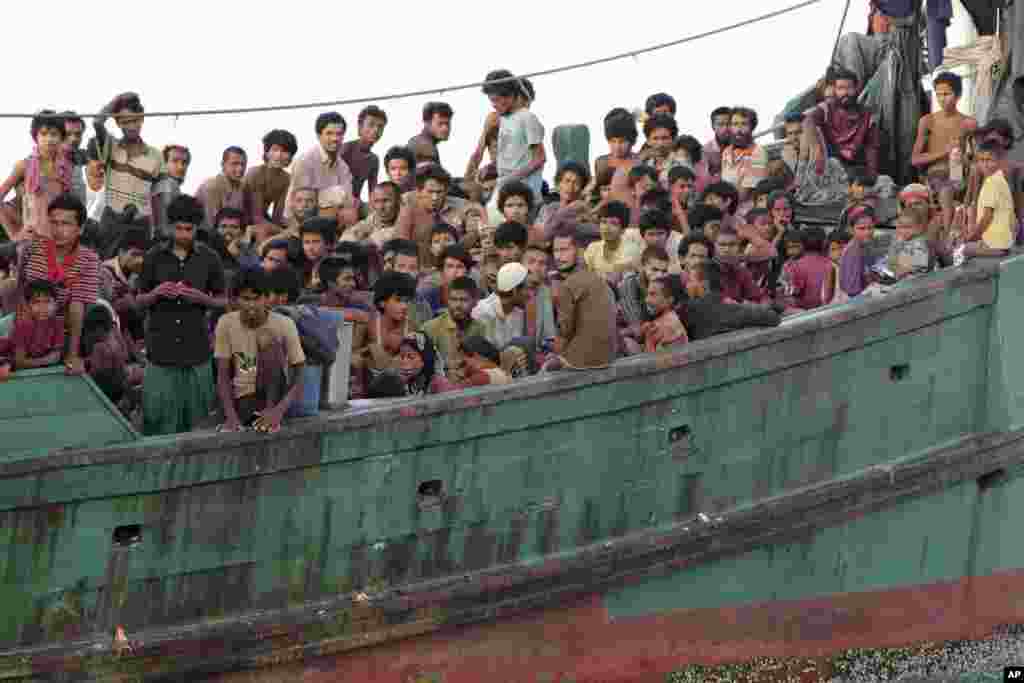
(224,307)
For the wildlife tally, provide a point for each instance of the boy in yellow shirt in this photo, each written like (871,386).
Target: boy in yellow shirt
(994,228)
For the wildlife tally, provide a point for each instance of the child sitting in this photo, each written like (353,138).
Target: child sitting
(665,329)
(859,191)
(482,363)
(909,254)
(38,337)
(836,245)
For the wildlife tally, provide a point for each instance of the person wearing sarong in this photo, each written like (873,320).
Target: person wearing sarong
(181,280)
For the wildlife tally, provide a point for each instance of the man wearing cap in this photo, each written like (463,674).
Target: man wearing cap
(503,314)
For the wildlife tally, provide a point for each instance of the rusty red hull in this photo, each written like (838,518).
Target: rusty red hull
(584,644)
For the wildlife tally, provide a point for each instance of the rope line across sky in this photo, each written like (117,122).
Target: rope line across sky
(463,86)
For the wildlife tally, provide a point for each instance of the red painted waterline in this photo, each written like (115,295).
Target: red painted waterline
(583,644)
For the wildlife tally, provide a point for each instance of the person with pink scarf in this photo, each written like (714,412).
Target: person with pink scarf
(43,176)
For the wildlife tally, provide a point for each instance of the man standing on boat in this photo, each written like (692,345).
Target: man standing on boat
(181,280)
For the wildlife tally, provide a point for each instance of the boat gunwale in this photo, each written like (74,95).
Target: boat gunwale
(719,346)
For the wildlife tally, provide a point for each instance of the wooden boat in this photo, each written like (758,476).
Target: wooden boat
(850,479)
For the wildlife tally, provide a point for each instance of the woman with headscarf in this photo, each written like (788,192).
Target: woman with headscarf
(420,367)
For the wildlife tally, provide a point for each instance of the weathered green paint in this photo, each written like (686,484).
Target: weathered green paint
(45,410)
(246,522)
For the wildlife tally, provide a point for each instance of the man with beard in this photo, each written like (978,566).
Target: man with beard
(268,184)
(744,164)
(379,226)
(454,325)
(364,164)
(321,168)
(841,128)
(586,311)
(259,357)
(226,189)
(181,281)
(721,123)
(437,127)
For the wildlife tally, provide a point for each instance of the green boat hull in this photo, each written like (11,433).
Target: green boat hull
(845,480)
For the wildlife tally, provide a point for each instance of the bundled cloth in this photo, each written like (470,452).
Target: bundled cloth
(984,55)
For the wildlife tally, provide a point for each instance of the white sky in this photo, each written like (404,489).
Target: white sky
(207,54)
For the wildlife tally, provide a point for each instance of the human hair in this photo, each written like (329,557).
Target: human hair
(955,82)
(170,148)
(403,153)
(527,89)
(724,190)
(277,244)
(250,278)
(70,116)
(327,228)
(701,214)
(284,280)
(511,233)
(432,172)
(233,149)
(479,346)
(620,124)
(185,209)
(656,121)
(40,287)
(332,266)
(990,146)
(441,228)
(615,209)
(654,219)
(515,188)
(838,73)
(860,175)
(282,138)
(693,148)
(401,247)
(677,173)
(640,171)
(654,253)
(814,239)
(330,118)
(720,111)
(696,238)
(387,184)
(371,110)
(748,114)
(768,185)
(464,284)
(69,202)
(129,101)
(860,210)
(459,253)
(392,283)
(506,88)
(656,198)
(673,286)
(573,167)
(660,99)
(793,235)
(567,232)
(47,118)
(999,126)
(228,212)
(432,109)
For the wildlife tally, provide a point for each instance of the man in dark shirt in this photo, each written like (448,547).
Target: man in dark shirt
(437,127)
(707,315)
(181,280)
(364,164)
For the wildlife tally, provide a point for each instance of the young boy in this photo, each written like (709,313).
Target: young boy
(806,277)
(611,256)
(909,254)
(993,233)
(859,190)
(38,338)
(938,148)
(481,363)
(621,133)
(665,329)
(520,152)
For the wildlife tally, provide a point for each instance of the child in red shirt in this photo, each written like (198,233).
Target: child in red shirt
(482,358)
(38,337)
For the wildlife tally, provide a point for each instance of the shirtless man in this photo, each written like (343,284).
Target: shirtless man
(939,140)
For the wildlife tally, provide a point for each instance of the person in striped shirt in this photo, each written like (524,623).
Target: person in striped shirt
(72,268)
